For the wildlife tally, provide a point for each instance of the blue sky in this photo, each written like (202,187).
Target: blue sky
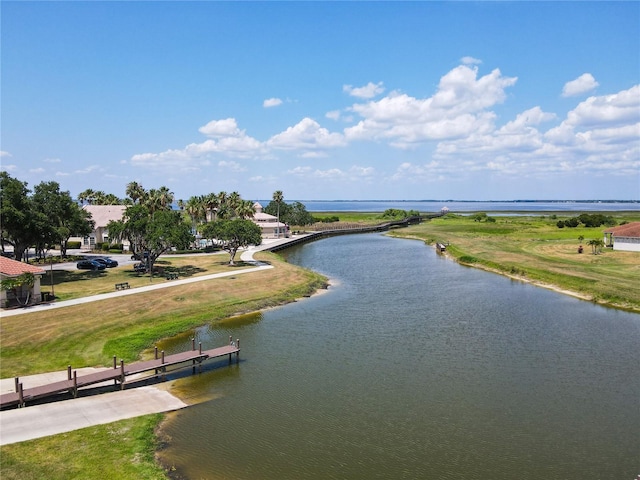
(326,100)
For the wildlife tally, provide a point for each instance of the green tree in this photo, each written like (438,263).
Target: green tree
(298,215)
(151,233)
(231,235)
(22,224)
(596,245)
(65,217)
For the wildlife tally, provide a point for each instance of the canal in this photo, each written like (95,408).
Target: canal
(413,367)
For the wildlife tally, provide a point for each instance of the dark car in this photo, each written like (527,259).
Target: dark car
(90,265)
(107,262)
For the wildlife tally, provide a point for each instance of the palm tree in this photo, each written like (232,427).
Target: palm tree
(278,197)
(211,204)
(165,198)
(246,209)
(135,192)
(233,200)
(86,196)
(596,245)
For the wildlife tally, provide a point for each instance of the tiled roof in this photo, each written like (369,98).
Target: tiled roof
(13,268)
(103,214)
(627,230)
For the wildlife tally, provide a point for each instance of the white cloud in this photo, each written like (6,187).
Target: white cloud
(36,170)
(271,102)
(583,84)
(602,130)
(470,61)
(52,160)
(333,115)
(8,168)
(306,135)
(370,90)
(221,128)
(232,166)
(4,154)
(457,109)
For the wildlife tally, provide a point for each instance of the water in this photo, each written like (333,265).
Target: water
(413,367)
(427,206)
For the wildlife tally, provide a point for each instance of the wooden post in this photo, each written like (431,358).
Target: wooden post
(200,348)
(115,382)
(230,339)
(238,352)
(156,352)
(121,374)
(193,344)
(20,396)
(68,372)
(164,369)
(75,383)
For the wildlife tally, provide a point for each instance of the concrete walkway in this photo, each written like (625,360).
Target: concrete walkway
(39,421)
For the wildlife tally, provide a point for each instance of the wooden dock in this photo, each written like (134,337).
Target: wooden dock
(118,373)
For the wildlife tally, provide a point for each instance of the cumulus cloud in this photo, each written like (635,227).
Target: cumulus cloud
(370,90)
(306,135)
(333,115)
(271,102)
(583,84)
(603,130)
(4,154)
(459,108)
(221,128)
(470,61)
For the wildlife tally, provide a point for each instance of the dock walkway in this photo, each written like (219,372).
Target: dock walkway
(117,373)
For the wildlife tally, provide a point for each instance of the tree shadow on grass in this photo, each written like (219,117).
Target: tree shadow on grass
(65,276)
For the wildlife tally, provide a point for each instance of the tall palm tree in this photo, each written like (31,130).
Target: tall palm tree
(135,192)
(233,200)
(278,197)
(211,205)
(86,196)
(165,198)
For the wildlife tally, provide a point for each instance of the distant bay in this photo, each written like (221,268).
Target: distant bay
(426,206)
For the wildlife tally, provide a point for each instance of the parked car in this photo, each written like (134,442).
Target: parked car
(90,265)
(107,262)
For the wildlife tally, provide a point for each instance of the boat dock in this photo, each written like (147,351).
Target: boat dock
(118,373)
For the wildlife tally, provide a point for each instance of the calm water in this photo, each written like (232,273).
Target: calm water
(413,367)
(426,206)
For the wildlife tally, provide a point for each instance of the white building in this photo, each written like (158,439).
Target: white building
(269,224)
(623,237)
(101,215)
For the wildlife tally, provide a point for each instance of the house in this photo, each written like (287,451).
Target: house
(12,269)
(623,237)
(102,215)
(269,224)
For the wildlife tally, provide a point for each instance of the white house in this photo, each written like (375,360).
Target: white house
(10,269)
(623,237)
(102,215)
(269,224)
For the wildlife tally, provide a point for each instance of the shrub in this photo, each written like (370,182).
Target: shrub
(73,244)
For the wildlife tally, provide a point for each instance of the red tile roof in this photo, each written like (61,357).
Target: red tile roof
(12,268)
(627,230)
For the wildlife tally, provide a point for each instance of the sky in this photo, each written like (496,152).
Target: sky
(325,100)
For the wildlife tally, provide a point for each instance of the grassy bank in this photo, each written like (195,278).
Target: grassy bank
(534,249)
(118,451)
(90,334)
